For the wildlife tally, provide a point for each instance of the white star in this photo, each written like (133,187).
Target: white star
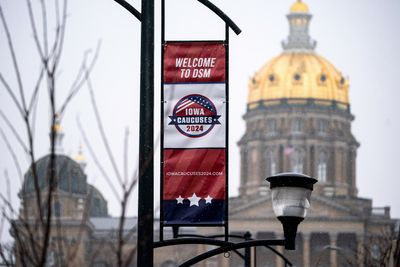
(180,200)
(208,199)
(194,200)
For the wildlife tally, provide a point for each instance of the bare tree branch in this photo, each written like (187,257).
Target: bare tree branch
(36,91)
(34,30)
(96,161)
(13,155)
(33,112)
(12,95)
(101,129)
(14,59)
(59,43)
(80,78)
(14,131)
(125,149)
(44,21)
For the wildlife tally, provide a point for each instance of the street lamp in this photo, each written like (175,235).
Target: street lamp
(291,194)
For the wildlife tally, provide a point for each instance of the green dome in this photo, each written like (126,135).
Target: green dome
(98,204)
(70,177)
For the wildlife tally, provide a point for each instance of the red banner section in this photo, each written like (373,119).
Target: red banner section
(194,62)
(194,171)
(194,127)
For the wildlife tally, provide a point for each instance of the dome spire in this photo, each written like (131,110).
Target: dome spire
(299,20)
(59,135)
(80,158)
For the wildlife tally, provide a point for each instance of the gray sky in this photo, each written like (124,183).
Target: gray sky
(360,37)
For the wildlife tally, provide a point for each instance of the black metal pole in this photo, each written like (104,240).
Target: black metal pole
(247,251)
(146,138)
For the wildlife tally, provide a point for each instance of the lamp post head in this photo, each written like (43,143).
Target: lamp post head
(291,194)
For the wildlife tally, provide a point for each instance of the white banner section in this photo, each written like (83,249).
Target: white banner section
(194,115)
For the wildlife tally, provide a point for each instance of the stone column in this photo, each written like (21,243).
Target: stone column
(306,250)
(333,250)
(279,261)
(360,250)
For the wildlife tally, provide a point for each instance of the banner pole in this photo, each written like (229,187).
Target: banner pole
(146,139)
(162,121)
(227,132)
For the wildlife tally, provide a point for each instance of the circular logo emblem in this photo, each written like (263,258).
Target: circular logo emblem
(194,116)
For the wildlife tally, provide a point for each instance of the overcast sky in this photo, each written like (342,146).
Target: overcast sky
(360,37)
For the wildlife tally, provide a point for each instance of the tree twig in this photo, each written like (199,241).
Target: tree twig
(101,129)
(96,161)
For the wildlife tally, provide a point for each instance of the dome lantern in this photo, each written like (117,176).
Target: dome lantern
(80,158)
(299,20)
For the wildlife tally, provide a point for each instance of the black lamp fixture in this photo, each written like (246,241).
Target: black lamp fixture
(291,194)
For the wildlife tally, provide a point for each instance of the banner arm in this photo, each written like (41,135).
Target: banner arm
(222,15)
(130,9)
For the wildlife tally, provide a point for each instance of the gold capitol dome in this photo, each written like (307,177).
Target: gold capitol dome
(298,74)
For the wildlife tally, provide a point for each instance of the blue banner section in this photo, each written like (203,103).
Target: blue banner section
(184,214)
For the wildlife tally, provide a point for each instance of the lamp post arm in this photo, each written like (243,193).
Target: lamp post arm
(191,241)
(130,9)
(232,246)
(214,236)
(222,15)
(209,236)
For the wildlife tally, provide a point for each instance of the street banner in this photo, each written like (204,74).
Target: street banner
(194,152)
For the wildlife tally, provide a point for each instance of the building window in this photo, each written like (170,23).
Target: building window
(297,125)
(271,125)
(322,79)
(322,167)
(297,161)
(271,78)
(322,171)
(322,126)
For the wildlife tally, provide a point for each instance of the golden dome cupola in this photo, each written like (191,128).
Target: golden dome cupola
(299,20)
(298,75)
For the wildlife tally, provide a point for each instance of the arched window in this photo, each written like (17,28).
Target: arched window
(322,166)
(297,161)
